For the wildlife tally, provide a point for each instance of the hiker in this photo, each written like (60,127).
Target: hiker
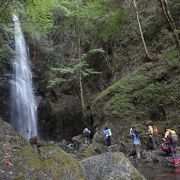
(107,134)
(150,133)
(155,129)
(98,136)
(156,136)
(87,134)
(136,141)
(171,137)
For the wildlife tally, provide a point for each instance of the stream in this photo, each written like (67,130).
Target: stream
(157,171)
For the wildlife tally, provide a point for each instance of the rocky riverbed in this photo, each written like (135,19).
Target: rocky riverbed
(153,164)
(46,160)
(77,160)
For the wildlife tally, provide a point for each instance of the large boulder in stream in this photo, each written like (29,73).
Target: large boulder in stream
(18,160)
(110,166)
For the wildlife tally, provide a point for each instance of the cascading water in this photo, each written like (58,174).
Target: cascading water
(23,105)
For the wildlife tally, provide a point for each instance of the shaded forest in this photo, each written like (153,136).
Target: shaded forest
(96,62)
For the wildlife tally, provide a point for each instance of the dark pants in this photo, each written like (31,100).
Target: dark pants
(152,143)
(108,141)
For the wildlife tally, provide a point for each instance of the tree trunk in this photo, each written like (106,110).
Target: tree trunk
(80,74)
(170,21)
(81,92)
(140,29)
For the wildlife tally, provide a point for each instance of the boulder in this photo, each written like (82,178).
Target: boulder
(34,141)
(92,150)
(9,136)
(110,166)
(18,160)
(79,139)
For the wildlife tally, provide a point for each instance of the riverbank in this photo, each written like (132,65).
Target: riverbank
(154,165)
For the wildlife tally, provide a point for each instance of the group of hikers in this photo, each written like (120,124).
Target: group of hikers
(169,144)
(106,132)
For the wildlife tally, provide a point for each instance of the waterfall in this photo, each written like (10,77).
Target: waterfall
(23,105)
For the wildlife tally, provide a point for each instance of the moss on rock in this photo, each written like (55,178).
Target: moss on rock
(49,161)
(27,162)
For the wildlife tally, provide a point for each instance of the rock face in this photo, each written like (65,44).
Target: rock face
(8,136)
(6,57)
(5,95)
(58,119)
(110,166)
(18,160)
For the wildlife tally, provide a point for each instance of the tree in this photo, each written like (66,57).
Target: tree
(71,73)
(170,21)
(140,30)
(4,4)
(79,57)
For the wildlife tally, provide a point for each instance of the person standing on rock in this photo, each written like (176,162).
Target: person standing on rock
(107,134)
(156,134)
(150,133)
(136,141)
(87,134)
(171,137)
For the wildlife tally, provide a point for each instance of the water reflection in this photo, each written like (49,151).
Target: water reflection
(159,171)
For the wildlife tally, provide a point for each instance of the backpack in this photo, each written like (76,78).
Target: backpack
(165,147)
(150,130)
(87,132)
(155,129)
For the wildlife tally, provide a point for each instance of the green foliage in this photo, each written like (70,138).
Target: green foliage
(71,72)
(145,88)
(103,17)
(114,24)
(48,20)
(40,13)
(170,54)
(171,57)
(95,51)
(6,41)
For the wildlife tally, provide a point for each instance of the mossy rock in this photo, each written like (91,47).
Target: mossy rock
(46,162)
(92,150)
(110,166)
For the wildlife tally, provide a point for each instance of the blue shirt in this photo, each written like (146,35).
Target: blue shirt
(135,137)
(107,132)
